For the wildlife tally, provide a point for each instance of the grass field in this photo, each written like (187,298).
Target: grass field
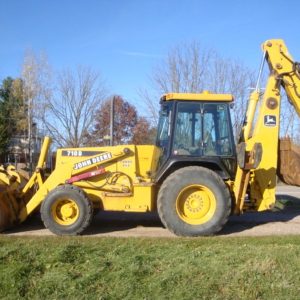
(115,268)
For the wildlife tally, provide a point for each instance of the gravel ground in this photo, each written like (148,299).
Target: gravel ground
(282,222)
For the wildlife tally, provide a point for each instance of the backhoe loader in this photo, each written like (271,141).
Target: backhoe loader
(194,176)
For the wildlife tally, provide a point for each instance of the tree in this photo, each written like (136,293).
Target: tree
(63,105)
(4,128)
(143,132)
(70,113)
(36,81)
(231,76)
(190,68)
(183,71)
(125,119)
(12,108)
(289,120)
(128,126)
(37,86)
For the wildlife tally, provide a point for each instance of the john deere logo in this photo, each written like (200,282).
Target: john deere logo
(270,120)
(93,161)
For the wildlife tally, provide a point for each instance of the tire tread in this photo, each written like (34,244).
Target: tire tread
(169,182)
(87,219)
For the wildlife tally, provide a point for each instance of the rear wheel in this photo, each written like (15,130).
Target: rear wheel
(66,210)
(194,201)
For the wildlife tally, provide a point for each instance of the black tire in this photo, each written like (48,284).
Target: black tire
(81,209)
(187,183)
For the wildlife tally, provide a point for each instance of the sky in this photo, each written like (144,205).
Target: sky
(126,40)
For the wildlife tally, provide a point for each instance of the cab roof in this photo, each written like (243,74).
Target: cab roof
(204,96)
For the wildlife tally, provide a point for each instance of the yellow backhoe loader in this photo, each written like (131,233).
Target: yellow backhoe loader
(194,176)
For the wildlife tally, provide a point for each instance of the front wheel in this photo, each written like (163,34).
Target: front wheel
(66,210)
(194,201)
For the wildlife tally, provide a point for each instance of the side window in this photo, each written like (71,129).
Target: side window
(163,131)
(188,133)
(224,141)
(209,130)
(216,133)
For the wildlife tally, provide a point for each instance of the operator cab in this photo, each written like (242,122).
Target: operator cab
(196,128)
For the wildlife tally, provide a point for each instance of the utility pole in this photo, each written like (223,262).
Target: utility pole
(112,121)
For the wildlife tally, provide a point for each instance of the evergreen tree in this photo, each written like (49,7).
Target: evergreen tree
(12,112)
(5,91)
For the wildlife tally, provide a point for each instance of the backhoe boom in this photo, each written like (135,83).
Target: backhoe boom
(262,133)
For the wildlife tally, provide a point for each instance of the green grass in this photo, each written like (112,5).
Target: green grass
(115,268)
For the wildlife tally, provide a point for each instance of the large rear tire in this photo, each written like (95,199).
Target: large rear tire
(66,210)
(194,201)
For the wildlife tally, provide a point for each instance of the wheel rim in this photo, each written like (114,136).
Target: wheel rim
(196,204)
(65,211)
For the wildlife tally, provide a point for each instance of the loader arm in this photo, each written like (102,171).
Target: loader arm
(258,146)
(65,173)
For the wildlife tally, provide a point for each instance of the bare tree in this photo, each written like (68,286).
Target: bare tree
(70,113)
(233,77)
(191,68)
(183,70)
(289,121)
(35,77)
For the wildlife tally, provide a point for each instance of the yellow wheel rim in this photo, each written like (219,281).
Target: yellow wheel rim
(196,204)
(65,211)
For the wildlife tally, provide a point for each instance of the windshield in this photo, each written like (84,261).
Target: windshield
(202,129)
(164,129)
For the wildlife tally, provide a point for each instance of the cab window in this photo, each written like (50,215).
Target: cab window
(188,132)
(202,129)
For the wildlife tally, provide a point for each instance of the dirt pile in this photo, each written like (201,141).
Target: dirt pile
(289,162)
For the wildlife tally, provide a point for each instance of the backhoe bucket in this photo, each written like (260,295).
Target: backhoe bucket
(289,162)
(10,203)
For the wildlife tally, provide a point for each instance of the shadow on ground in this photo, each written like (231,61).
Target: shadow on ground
(105,222)
(287,208)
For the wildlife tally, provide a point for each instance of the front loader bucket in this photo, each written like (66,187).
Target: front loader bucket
(7,217)
(17,189)
(10,203)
